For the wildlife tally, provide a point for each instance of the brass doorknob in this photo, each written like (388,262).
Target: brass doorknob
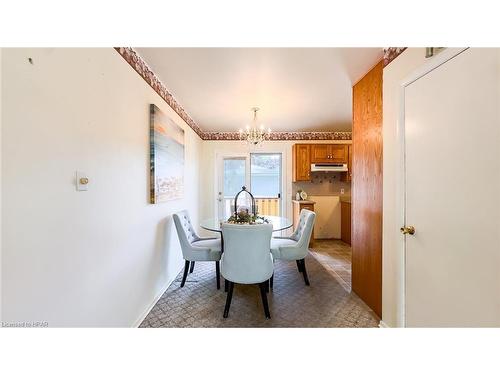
(408,230)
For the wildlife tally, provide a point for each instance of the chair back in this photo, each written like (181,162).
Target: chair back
(247,258)
(304,228)
(185,231)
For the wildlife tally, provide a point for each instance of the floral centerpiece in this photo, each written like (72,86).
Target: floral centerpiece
(244,217)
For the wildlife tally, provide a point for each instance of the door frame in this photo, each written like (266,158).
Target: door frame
(433,63)
(220,156)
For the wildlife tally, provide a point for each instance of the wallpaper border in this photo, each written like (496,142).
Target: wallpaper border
(391,53)
(283,136)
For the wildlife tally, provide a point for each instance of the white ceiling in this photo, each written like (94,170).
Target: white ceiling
(297,89)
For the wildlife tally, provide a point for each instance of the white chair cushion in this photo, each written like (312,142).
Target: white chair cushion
(212,244)
(206,250)
(278,243)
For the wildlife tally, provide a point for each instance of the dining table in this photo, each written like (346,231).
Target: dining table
(279,223)
(215,224)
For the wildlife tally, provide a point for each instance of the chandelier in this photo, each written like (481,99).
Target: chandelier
(254,135)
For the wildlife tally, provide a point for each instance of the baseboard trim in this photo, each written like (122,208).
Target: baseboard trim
(138,322)
(382,324)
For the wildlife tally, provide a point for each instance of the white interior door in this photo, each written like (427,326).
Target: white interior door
(452,166)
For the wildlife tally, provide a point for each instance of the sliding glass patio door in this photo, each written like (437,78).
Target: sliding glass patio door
(261,173)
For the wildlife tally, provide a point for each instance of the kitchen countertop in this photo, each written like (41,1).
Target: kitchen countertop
(345,198)
(303,201)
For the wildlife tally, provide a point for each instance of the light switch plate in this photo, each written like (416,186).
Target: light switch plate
(82,181)
(342,191)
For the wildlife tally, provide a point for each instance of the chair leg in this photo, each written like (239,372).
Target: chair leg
(226,285)
(298,265)
(217,273)
(263,295)
(271,281)
(184,276)
(192,267)
(267,285)
(228,298)
(304,272)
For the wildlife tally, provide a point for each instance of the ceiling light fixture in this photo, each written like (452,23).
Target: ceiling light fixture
(254,135)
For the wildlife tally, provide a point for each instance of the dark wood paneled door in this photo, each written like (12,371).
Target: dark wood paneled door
(366,191)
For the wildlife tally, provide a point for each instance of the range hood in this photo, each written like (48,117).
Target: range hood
(328,167)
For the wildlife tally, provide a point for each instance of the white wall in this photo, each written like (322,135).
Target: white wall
(208,165)
(95,258)
(392,254)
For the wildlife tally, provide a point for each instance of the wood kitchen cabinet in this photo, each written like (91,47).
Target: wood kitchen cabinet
(347,176)
(305,154)
(301,162)
(329,153)
(320,154)
(297,207)
(345,221)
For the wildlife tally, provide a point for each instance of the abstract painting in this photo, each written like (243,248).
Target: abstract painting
(166,145)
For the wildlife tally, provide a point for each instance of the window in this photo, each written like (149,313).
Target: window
(265,175)
(234,176)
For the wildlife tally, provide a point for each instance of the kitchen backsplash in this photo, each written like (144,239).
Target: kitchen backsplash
(323,184)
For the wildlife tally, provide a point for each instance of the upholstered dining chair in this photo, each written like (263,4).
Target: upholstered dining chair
(296,246)
(247,259)
(195,248)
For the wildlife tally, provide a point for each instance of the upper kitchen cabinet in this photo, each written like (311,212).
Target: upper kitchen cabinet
(320,153)
(329,153)
(301,162)
(347,176)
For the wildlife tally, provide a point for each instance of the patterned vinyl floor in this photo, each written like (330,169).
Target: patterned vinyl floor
(335,256)
(326,303)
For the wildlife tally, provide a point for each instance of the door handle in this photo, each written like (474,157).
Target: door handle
(408,230)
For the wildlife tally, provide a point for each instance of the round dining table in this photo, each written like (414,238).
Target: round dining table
(279,223)
(215,225)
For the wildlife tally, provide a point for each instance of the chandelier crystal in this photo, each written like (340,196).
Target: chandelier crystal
(254,135)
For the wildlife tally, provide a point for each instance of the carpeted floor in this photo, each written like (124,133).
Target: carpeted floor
(292,304)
